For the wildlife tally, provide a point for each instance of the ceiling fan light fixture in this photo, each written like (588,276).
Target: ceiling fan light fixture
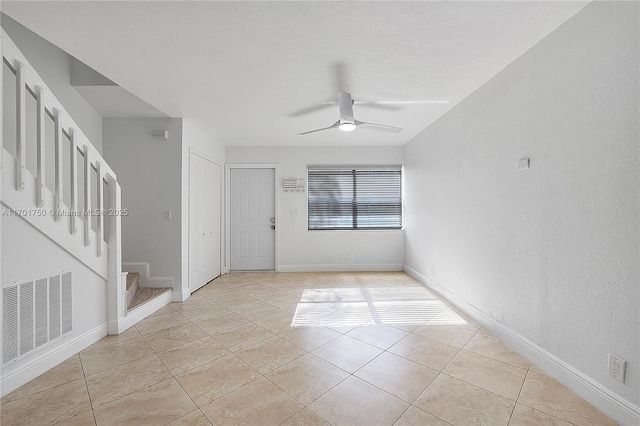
(347,123)
(347,127)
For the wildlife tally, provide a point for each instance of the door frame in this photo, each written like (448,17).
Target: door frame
(227,216)
(202,155)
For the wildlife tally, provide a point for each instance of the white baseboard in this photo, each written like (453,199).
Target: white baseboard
(600,397)
(49,359)
(145,279)
(138,314)
(340,267)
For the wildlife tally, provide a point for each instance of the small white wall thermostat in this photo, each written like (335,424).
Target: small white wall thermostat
(160,134)
(523,164)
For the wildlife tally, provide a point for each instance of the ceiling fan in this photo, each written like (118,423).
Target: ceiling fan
(347,123)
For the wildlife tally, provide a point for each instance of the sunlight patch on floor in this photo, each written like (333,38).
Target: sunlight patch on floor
(352,306)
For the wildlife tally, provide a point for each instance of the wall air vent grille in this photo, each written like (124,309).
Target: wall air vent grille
(35,313)
(293,185)
(26,317)
(54,307)
(66,302)
(42,312)
(9,323)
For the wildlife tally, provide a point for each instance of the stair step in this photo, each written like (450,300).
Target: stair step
(145,294)
(131,278)
(132,286)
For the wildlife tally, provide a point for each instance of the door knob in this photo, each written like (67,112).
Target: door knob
(273,220)
(273,227)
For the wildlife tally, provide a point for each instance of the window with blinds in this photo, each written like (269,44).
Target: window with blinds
(355,198)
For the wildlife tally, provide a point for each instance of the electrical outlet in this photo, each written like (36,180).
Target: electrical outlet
(351,256)
(617,367)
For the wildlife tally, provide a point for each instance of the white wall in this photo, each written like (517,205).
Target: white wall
(149,172)
(197,141)
(302,250)
(27,253)
(54,66)
(550,252)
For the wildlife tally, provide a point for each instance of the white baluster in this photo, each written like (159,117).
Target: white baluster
(57,118)
(40,147)
(21,126)
(74,180)
(100,207)
(87,196)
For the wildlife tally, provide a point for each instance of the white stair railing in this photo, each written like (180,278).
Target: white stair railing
(26,194)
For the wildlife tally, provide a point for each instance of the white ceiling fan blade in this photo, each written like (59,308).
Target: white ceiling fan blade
(377,103)
(346,107)
(431,101)
(383,127)
(334,126)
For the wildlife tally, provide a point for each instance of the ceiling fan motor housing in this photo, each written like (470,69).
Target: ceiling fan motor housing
(347,122)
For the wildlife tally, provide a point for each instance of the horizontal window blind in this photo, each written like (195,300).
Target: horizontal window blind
(349,198)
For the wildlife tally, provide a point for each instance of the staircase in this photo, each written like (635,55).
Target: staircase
(137,296)
(81,213)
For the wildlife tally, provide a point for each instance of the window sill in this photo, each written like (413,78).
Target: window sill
(355,230)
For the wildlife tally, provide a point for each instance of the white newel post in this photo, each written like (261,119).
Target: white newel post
(116,306)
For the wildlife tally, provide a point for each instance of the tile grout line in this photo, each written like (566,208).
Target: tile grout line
(518,397)
(522,403)
(84,377)
(172,377)
(537,409)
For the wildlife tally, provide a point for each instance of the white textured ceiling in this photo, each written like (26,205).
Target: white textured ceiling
(254,73)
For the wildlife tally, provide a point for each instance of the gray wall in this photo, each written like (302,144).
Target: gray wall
(149,172)
(550,252)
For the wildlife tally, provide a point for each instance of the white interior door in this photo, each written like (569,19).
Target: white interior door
(205,182)
(252,220)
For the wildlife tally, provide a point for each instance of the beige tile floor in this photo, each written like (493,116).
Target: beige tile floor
(300,349)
